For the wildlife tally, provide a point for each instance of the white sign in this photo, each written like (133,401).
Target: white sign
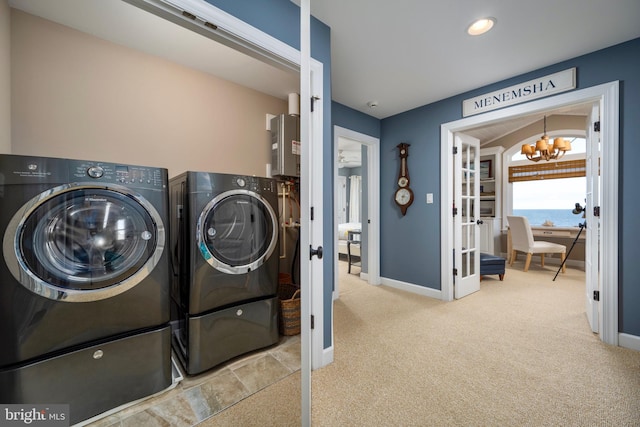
(527,91)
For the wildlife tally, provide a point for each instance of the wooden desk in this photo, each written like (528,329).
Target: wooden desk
(566,232)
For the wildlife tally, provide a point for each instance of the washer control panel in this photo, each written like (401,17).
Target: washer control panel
(137,176)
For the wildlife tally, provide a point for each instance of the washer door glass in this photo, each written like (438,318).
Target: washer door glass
(87,239)
(239,232)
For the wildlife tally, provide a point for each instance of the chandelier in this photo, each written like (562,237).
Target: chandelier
(545,149)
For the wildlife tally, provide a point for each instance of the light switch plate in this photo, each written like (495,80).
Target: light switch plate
(429,198)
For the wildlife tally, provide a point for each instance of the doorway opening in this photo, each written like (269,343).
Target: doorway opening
(605,99)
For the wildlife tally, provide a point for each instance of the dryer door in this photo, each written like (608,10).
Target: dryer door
(237,231)
(82,243)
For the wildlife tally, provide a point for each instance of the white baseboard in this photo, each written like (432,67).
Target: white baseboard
(629,341)
(327,358)
(409,287)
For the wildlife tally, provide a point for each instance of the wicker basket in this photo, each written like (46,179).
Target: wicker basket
(289,313)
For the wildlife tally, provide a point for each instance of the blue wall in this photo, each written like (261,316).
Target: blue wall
(356,121)
(411,245)
(278,18)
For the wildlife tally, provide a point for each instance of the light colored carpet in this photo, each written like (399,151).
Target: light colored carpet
(519,352)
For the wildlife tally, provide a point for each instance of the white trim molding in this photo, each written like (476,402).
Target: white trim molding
(609,134)
(410,287)
(327,356)
(631,342)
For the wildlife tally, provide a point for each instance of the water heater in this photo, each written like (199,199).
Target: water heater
(285,145)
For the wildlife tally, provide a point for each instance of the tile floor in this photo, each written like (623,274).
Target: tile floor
(197,398)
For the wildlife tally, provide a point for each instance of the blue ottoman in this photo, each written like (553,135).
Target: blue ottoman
(491,264)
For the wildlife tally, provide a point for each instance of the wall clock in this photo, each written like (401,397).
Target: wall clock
(404,195)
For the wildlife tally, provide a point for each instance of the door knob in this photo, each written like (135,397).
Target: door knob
(479,222)
(317,252)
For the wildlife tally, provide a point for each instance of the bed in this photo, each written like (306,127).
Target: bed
(343,234)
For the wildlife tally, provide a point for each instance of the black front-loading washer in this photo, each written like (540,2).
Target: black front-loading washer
(84,283)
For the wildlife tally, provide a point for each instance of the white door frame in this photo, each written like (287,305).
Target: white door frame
(373,205)
(608,95)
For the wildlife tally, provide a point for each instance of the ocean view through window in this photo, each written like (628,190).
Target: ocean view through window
(552,200)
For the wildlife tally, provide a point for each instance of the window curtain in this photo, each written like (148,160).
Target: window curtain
(355,190)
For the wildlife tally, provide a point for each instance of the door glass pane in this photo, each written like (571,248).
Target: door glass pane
(465,237)
(465,266)
(472,187)
(469,233)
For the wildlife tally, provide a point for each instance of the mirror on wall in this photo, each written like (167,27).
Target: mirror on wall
(350,208)
(350,166)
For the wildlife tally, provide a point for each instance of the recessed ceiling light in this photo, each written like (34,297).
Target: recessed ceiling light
(481,26)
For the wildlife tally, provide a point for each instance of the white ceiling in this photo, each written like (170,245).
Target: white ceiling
(408,53)
(401,54)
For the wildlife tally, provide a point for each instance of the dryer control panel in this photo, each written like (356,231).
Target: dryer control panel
(255,184)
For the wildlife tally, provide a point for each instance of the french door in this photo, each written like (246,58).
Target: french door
(466,215)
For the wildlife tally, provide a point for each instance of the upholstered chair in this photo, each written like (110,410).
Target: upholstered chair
(522,241)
